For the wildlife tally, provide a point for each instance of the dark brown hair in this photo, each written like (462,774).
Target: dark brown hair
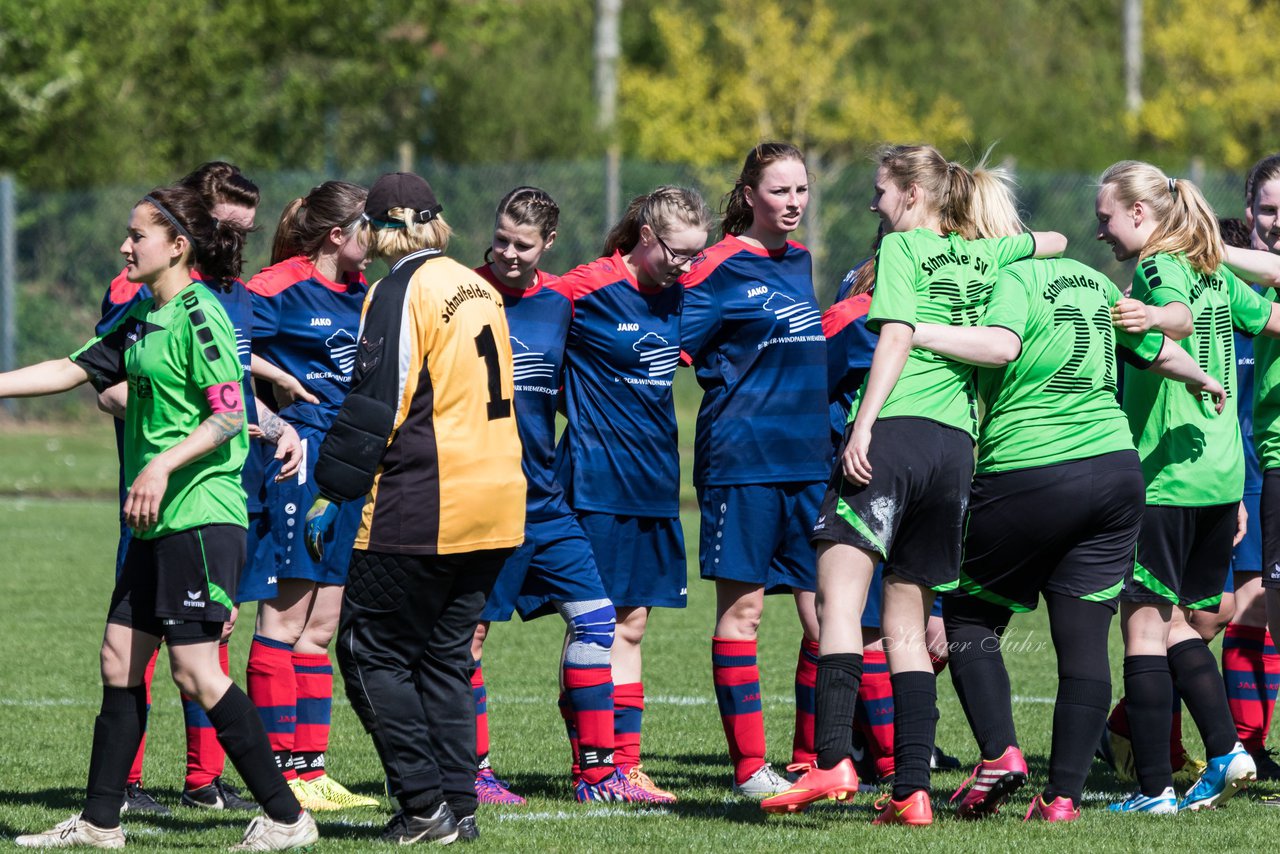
(215,245)
(219,182)
(306,222)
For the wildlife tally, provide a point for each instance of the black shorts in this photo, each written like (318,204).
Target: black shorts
(1068,528)
(179,587)
(912,513)
(1184,555)
(1269,511)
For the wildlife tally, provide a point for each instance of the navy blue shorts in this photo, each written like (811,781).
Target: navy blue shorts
(278,542)
(641,559)
(555,564)
(759,534)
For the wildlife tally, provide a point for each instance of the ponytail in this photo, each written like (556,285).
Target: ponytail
(307,221)
(993,208)
(664,210)
(738,216)
(216,246)
(1185,223)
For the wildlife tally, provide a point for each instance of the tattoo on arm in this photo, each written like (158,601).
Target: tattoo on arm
(225,426)
(271,425)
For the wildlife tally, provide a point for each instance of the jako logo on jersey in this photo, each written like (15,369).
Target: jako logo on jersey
(799,315)
(661,357)
(528,366)
(322,321)
(342,349)
(755,292)
(628,327)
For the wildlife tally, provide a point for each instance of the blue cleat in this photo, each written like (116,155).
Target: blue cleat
(1222,778)
(1165,803)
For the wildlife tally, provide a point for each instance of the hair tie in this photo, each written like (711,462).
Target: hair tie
(216,222)
(164,212)
(1173,186)
(304,202)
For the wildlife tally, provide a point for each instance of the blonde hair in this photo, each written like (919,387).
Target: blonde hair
(396,241)
(995,208)
(1185,223)
(947,186)
(665,209)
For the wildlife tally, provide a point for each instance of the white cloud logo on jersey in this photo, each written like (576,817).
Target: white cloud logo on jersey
(342,349)
(799,315)
(531,371)
(662,358)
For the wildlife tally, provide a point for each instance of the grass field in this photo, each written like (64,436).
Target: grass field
(54,587)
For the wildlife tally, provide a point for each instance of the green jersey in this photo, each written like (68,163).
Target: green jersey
(1057,401)
(170,355)
(922,277)
(1191,456)
(1266,397)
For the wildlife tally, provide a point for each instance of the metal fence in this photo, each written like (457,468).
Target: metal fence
(64,244)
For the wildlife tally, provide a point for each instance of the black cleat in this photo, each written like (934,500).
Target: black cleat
(138,799)
(405,829)
(468,831)
(218,795)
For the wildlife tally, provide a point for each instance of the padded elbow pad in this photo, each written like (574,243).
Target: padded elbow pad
(353,449)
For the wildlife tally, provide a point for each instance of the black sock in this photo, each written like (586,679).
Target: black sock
(1148,688)
(1080,630)
(1195,672)
(915,722)
(1079,716)
(117,731)
(982,685)
(839,676)
(244,738)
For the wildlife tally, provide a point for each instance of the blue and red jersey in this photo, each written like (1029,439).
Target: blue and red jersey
(538,320)
(619,452)
(123,294)
(1244,408)
(850,346)
(753,332)
(308,326)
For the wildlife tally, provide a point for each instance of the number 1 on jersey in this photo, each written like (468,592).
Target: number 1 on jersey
(487,349)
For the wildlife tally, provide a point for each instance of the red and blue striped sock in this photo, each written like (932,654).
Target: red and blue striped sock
(135,770)
(273,689)
(571,730)
(875,705)
(628,717)
(589,692)
(1250,671)
(736,674)
(802,749)
(205,757)
(481,698)
(313,673)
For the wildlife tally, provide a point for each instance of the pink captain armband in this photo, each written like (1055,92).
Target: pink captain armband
(224,397)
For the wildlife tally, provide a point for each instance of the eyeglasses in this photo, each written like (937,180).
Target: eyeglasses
(678,260)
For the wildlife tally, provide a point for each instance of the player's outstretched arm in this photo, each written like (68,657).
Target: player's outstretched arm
(1254,265)
(288,388)
(984,346)
(51,377)
(1176,364)
(1049,244)
(1136,317)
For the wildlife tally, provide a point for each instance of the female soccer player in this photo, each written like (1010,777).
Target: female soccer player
(1193,468)
(306,315)
(428,434)
(902,498)
(752,328)
(554,569)
(1054,509)
(233,198)
(184,446)
(618,458)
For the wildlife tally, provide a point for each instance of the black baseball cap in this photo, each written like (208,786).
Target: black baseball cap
(401,190)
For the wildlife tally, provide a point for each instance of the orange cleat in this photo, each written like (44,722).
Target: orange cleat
(815,784)
(914,809)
